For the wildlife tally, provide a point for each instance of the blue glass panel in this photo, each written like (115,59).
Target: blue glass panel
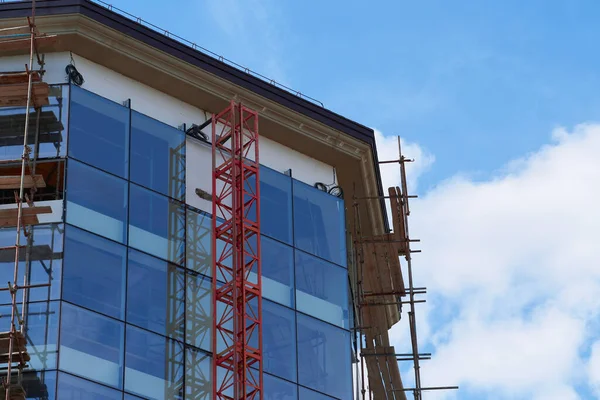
(277,271)
(91,345)
(99,130)
(41,323)
(157,156)
(198,315)
(279,341)
(45,261)
(94,272)
(162,235)
(276,205)
(321,289)
(278,389)
(324,362)
(198,371)
(96,201)
(153,365)
(40,385)
(155,295)
(198,241)
(72,388)
(319,224)
(306,394)
(127,396)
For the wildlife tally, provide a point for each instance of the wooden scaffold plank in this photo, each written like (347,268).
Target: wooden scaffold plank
(14,182)
(15,95)
(8,216)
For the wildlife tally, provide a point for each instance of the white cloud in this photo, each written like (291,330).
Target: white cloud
(594,368)
(512,269)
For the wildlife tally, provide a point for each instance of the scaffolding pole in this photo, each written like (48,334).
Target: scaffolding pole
(14,341)
(369,300)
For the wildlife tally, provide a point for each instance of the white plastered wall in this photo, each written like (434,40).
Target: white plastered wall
(119,88)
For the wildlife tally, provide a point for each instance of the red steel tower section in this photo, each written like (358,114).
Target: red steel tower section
(236,276)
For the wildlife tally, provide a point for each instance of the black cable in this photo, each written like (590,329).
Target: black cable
(74,75)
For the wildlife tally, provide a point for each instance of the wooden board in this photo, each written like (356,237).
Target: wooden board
(25,43)
(14,182)
(9,78)
(41,252)
(375,380)
(16,95)
(8,217)
(394,370)
(398,221)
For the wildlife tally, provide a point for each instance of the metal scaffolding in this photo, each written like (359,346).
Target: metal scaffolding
(22,89)
(236,269)
(377,266)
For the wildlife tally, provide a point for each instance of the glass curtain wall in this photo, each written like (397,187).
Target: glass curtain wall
(136,313)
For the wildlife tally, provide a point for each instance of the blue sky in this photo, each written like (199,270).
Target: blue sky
(477,83)
(499,100)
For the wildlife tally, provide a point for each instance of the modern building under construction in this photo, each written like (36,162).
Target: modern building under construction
(175,226)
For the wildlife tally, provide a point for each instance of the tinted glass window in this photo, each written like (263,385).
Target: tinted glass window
(198,370)
(198,242)
(278,389)
(96,201)
(153,365)
(91,345)
(99,130)
(52,127)
(321,289)
(94,272)
(277,271)
(45,261)
(39,385)
(162,235)
(41,323)
(276,205)
(155,295)
(319,225)
(198,315)
(324,357)
(306,394)
(157,156)
(279,341)
(72,388)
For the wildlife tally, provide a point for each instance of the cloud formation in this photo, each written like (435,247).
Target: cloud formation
(512,268)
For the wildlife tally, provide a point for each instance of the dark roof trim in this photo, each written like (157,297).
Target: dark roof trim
(201,60)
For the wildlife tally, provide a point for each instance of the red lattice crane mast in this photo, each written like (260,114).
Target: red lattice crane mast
(236,276)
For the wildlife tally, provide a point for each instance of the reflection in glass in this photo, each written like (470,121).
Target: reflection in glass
(45,261)
(278,389)
(157,156)
(277,271)
(91,345)
(99,132)
(321,289)
(276,205)
(96,201)
(155,295)
(279,341)
(153,365)
(306,394)
(198,241)
(157,225)
(39,385)
(41,331)
(198,370)
(319,224)
(198,315)
(72,388)
(324,362)
(94,272)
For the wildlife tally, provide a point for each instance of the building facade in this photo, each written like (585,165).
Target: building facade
(125,244)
